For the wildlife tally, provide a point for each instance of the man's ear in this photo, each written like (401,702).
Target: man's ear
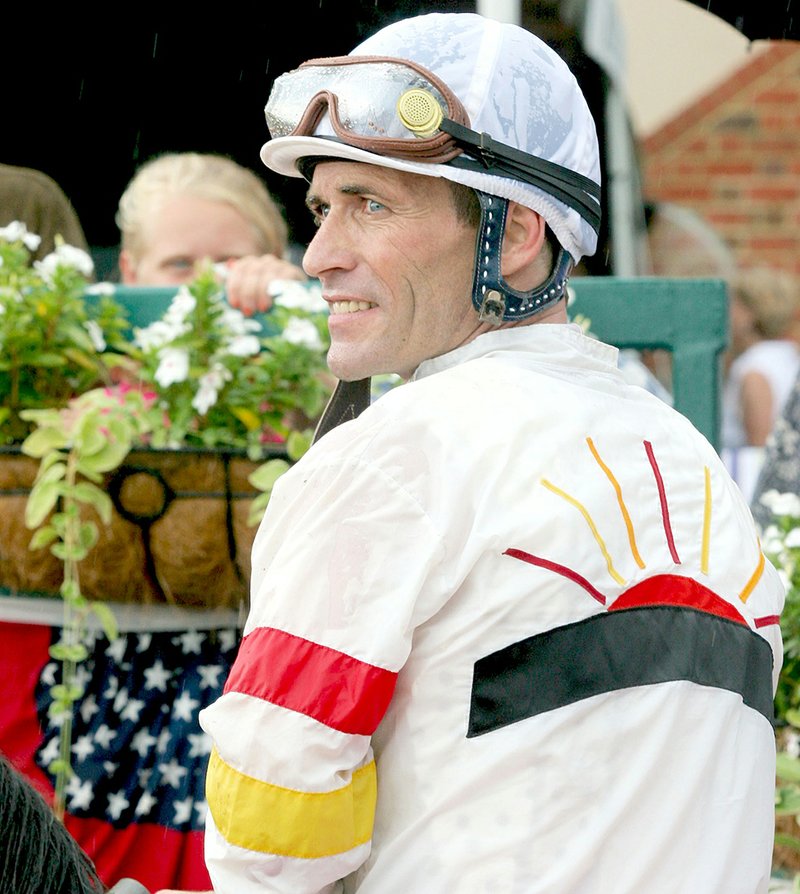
(523,239)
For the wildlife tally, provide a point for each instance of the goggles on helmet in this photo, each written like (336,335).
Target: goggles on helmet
(397,108)
(382,105)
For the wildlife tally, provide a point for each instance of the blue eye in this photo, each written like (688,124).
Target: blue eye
(180,264)
(373,205)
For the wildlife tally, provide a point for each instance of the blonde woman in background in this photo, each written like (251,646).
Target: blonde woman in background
(186,207)
(762,364)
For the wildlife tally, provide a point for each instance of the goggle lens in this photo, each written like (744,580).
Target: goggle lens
(374,100)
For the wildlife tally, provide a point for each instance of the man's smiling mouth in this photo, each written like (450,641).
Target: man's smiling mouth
(350,307)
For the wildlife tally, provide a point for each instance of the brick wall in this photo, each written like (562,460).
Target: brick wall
(733,158)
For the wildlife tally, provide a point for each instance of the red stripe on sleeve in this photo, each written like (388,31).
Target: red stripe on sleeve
(346,694)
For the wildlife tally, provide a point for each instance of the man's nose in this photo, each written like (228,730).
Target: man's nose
(330,249)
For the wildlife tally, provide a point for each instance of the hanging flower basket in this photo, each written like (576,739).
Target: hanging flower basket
(202,397)
(179,531)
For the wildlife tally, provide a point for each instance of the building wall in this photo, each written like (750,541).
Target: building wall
(733,158)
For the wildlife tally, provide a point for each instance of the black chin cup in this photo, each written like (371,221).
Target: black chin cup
(495,300)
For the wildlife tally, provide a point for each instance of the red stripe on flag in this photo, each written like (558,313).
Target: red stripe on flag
(156,856)
(346,694)
(24,651)
(153,855)
(673,589)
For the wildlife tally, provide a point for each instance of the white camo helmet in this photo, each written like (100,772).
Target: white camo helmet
(513,86)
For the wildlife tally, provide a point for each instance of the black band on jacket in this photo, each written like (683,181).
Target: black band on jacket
(618,650)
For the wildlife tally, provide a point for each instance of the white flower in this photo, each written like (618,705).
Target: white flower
(302,332)
(782,504)
(181,306)
(173,366)
(295,294)
(16,231)
(159,333)
(792,540)
(792,743)
(205,398)
(210,385)
(244,346)
(96,334)
(236,322)
(65,256)
(101,288)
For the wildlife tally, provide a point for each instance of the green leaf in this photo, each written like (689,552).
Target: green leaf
(41,501)
(298,443)
(787,767)
(87,535)
(107,619)
(70,590)
(60,766)
(66,553)
(110,457)
(51,469)
(42,441)
(43,537)
(787,840)
(265,476)
(66,694)
(68,652)
(257,508)
(104,506)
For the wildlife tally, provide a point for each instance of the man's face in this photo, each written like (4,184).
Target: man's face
(184,231)
(395,265)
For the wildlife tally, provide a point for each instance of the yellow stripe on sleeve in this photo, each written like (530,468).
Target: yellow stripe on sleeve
(262,817)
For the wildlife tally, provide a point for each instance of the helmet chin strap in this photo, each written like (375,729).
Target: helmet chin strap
(495,300)
(349,399)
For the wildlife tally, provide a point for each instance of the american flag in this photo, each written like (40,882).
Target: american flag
(136,800)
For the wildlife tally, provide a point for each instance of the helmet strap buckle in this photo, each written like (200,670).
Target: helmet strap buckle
(494,299)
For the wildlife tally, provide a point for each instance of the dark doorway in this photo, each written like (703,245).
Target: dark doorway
(88,99)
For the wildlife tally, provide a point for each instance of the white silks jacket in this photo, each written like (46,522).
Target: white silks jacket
(511,631)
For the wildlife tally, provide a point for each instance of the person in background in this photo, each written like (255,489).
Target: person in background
(35,199)
(780,470)
(513,616)
(183,208)
(760,367)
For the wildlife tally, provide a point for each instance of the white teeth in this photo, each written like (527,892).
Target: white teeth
(349,307)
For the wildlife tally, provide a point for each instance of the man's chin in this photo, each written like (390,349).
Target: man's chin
(347,370)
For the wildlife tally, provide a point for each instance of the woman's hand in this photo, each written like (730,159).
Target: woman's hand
(247,281)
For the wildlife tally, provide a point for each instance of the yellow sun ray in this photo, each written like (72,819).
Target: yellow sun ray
(592,527)
(622,507)
(706,521)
